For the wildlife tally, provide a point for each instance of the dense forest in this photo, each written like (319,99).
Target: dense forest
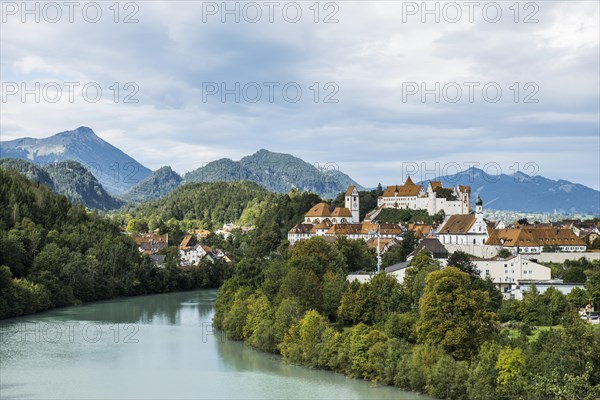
(54,253)
(68,178)
(445,332)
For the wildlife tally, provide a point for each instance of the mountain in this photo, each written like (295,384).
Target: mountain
(115,170)
(521,192)
(157,185)
(277,172)
(213,203)
(33,172)
(68,178)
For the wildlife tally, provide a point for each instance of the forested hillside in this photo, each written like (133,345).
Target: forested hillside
(53,253)
(68,178)
(158,184)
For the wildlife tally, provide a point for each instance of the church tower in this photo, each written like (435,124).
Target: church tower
(478,205)
(352,203)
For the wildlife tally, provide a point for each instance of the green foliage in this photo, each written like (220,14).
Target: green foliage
(371,302)
(399,252)
(577,298)
(592,286)
(67,178)
(447,378)
(405,215)
(401,326)
(159,183)
(445,193)
(358,257)
(61,254)
(452,314)
(504,253)
(211,203)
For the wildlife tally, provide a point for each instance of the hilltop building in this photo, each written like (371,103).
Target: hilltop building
(465,229)
(337,215)
(457,200)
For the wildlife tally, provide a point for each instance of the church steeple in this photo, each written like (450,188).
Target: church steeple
(478,205)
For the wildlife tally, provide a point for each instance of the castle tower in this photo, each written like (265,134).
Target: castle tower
(352,203)
(432,203)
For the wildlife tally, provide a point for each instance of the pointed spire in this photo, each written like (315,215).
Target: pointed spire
(409,182)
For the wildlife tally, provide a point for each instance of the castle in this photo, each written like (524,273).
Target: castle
(453,201)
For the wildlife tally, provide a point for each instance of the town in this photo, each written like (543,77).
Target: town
(513,254)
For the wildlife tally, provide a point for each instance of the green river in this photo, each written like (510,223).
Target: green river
(153,347)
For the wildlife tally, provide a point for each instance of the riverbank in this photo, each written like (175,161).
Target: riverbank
(154,346)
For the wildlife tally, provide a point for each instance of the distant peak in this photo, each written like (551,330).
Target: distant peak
(84,130)
(263,151)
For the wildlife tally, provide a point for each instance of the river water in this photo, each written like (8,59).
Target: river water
(153,347)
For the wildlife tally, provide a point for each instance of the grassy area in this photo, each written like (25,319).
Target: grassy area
(513,333)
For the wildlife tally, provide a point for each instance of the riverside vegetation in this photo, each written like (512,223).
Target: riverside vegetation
(445,332)
(54,253)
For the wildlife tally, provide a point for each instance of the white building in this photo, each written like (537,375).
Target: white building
(564,288)
(508,272)
(417,197)
(469,229)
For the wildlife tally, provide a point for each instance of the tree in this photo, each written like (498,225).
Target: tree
(414,278)
(509,364)
(304,341)
(533,308)
(401,326)
(483,374)
(574,275)
(453,315)
(399,252)
(448,379)
(356,253)
(592,286)
(462,261)
(556,304)
(504,253)
(334,286)
(577,298)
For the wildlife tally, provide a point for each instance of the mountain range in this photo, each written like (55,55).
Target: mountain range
(277,172)
(104,177)
(521,192)
(115,170)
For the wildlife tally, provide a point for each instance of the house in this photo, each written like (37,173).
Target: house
(190,251)
(465,229)
(531,239)
(384,244)
(200,233)
(398,270)
(421,230)
(417,197)
(158,260)
(151,243)
(508,272)
(433,247)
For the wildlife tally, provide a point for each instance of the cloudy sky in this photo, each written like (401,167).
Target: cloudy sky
(383,84)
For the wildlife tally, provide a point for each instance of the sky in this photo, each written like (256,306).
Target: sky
(380,90)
